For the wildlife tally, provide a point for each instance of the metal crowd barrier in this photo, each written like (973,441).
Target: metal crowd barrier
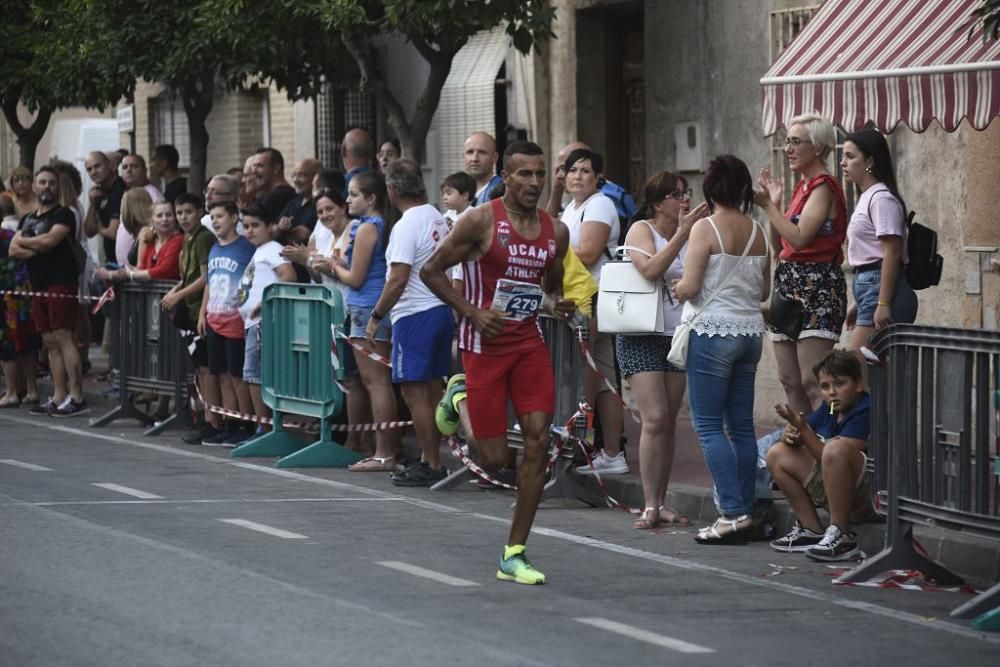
(153,357)
(933,402)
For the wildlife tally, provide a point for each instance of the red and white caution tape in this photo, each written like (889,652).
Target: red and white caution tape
(607,382)
(108,295)
(907,580)
(268,421)
(367,351)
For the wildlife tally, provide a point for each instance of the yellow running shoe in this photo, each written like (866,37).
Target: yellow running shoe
(515,566)
(446,413)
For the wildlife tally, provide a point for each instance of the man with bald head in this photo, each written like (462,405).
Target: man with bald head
(480,155)
(298,218)
(356,151)
(105,196)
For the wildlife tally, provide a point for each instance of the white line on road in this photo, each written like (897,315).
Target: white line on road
(425,573)
(644,635)
(128,491)
(25,466)
(197,501)
(261,528)
(940,625)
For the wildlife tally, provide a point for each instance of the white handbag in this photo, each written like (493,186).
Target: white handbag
(682,334)
(628,303)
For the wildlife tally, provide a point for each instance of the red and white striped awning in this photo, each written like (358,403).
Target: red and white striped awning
(887,62)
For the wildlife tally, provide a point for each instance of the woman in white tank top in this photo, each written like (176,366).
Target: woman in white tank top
(727,250)
(658,246)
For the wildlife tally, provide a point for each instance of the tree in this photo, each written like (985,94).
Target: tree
(196,48)
(437,29)
(49,63)
(989,17)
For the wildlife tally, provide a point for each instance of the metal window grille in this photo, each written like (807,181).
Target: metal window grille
(338,109)
(784,26)
(170,125)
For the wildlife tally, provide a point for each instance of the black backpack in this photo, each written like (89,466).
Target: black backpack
(925,265)
(924,268)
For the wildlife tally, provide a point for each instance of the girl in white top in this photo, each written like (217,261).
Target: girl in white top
(728,250)
(592,221)
(657,248)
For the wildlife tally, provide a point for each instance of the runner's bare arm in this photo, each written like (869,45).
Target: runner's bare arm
(552,283)
(468,240)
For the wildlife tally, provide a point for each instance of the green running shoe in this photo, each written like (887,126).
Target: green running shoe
(446,413)
(515,566)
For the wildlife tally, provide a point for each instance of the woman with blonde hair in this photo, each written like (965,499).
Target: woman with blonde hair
(21,191)
(809,303)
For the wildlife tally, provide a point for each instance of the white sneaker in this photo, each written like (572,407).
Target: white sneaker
(605,465)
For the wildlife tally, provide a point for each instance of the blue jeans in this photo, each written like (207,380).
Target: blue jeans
(720,373)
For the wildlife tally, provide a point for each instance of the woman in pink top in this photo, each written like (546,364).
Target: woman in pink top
(876,235)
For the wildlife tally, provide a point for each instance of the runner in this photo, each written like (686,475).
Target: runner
(511,252)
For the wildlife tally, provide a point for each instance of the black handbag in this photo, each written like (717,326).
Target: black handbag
(786,315)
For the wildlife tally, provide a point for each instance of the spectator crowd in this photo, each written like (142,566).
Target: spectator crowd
(421,288)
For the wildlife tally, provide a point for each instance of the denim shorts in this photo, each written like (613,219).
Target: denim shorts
(866,288)
(358,316)
(251,356)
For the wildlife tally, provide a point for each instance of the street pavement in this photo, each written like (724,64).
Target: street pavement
(120,549)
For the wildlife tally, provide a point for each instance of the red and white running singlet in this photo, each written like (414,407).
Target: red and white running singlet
(518,262)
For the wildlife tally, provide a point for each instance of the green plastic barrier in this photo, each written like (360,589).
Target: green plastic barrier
(298,326)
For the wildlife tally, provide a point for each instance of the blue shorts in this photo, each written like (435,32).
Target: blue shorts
(421,345)
(357,319)
(251,357)
(866,288)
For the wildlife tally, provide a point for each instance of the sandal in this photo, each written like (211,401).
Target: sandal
(10,401)
(676,518)
(648,520)
(734,535)
(374,464)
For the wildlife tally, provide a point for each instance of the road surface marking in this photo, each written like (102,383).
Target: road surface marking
(644,635)
(128,491)
(426,574)
(26,466)
(940,625)
(261,528)
(197,501)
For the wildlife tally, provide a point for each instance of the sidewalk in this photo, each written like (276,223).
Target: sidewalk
(690,493)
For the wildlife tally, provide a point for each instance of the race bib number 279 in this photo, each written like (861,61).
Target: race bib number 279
(517,301)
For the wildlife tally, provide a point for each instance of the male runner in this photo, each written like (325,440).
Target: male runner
(512,252)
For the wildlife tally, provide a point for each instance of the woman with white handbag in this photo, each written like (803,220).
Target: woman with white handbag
(724,328)
(656,248)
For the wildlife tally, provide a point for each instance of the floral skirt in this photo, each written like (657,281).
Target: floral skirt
(822,291)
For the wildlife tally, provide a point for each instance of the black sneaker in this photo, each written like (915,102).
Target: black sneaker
(506,475)
(45,408)
(217,440)
(418,474)
(836,545)
(799,539)
(195,438)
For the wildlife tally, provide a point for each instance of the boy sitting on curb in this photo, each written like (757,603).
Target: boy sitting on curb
(820,461)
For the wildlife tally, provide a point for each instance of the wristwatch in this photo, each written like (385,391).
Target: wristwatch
(375,316)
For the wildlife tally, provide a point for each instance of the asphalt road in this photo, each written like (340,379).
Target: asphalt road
(121,550)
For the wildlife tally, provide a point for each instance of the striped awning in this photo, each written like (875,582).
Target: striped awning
(887,62)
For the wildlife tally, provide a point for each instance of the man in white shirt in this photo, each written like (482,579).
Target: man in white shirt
(422,325)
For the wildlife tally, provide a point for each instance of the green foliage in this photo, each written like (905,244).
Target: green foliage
(49,62)
(445,24)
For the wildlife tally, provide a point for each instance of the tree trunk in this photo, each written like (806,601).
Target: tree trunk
(198,98)
(27,137)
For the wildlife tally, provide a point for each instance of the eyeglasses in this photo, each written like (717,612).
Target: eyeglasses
(682,195)
(795,141)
